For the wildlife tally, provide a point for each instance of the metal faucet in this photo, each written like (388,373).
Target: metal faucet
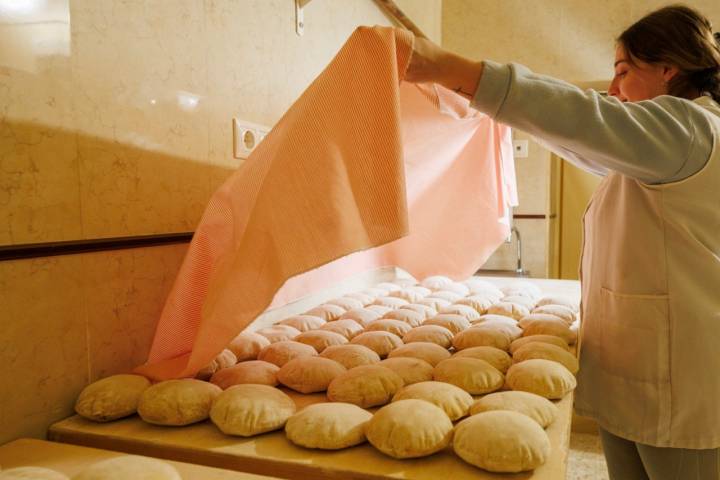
(519,268)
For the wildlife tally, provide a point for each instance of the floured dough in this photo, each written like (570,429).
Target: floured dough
(457,287)
(494,356)
(396,327)
(558,300)
(411,317)
(346,303)
(365,386)
(425,310)
(303,323)
(177,402)
(501,441)
(434,303)
(247,345)
(475,376)
(365,299)
(479,303)
(465,310)
(543,377)
(551,339)
(111,398)
(225,359)
(31,473)
(347,328)
(550,327)
(328,426)
(430,352)
(248,410)
(454,401)
(430,333)
(407,294)
(482,336)
(282,352)
(548,352)
(409,429)
(566,313)
(540,409)
(321,339)
(327,311)
(380,342)
(363,316)
(453,322)
(381,309)
(514,310)
(391,302)
(411,370)
(127,467)
(446,295)
(350,356)
(436,282)
(252,371)
(279,333)
(309,374)
(526,302)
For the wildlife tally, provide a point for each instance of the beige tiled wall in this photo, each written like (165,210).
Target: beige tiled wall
(115,119)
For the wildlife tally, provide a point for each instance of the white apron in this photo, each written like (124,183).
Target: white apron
(650,339)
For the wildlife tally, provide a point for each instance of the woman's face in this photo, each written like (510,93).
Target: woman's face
(639,80)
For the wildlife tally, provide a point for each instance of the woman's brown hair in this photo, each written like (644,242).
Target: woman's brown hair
(682,37)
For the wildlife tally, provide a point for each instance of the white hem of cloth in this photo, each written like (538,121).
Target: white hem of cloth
(709,443)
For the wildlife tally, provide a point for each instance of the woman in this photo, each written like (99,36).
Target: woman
(650,270)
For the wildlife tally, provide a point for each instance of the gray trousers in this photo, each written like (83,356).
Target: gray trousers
(627,460)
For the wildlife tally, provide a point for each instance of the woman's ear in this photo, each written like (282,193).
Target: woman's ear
(669,72)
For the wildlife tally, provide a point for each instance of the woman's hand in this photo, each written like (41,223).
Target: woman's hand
(430,63)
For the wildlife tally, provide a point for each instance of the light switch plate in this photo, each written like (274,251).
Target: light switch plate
(246,136)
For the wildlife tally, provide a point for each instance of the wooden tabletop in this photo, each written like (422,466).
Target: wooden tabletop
(71,460)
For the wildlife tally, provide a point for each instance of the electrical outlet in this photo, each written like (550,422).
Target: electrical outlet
(246,136)
(520,148)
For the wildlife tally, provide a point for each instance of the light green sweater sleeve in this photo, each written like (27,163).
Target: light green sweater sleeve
(655,141)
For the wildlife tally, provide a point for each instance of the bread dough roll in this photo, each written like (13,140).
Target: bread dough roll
(350,356)
(475,376)
(454,401)
(365,386)
(512,331)
(514,310)
(127,467)
(31,473)
(303,323)
(525,321)
(347,328)
(434,303)
(425,310)
(548,352)
(543,377)
(566,313)
(429,333)
(493,319)
(282,352)
(389,286)
(365,299)
(328,426)
(457,287)
(380,342)
(111,398)
(526,302)
(550,327)
(479,303)
(407,294)
(436,282)
(396,327)
(177,402)
(446,295)
(247,345)
(501,441)
(494,356)
(327,311)
(391,302)
(346,303)
(252,371)
(540,409)
(381,309)
(558,300)
(412,318)
(363,316)
(430,352)
(224,359)
(309,374)
(465,310)
(551,339)
(482,336)
(279,333)
(321,339)
(247,410)
(409,429)
(453,322)
(411,370)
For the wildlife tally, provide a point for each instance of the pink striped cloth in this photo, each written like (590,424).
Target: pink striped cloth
(363,171)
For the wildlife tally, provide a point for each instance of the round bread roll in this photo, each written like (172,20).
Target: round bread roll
(523,288)
(540,409)
(407,294)
(476,377)
(436,282)
(548,352)
(494,356)
(412,318)
(558,300)
(389,286)
(495,319)
(247,410)
(128,466)
(479,303)
(252,371)
(375,292)
(457,287)
(321,339)
(309,374)
(396,327)
(31,473)
(225,359)
(453,322)
(454,401)
(379,309)
(501,441)
(282,352)
(434,303)
(365,386)
(446,295)
(346,303)
(423,291)
(474,284)
(327,311)
(364,298)
(514,310)
(363,316)
(409,429)
(350,356)
(177,402)
(526,302)
(111,398)
(512,331)
(543,377)
(551,339)
(566,313)
(430,352)
(465,310)
(429,333)
(426,311)
(482,336)
(391,302)
(378,341)
(279,333)
(525,321)
(247,345)
(304,323)
(411,370)
(347,328)
(550,327)
(328,426)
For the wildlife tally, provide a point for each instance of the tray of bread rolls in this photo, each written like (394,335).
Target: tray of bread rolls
(405,379)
